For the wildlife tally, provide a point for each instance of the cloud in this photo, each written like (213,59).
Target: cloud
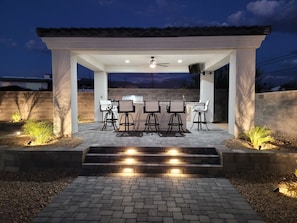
(237,17)
(36,46)
(281,14)
(8,42)
(264,8)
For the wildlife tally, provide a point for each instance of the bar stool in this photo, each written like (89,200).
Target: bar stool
(176,107)
(151,107)
(106,107)
(199,109)
(126,107)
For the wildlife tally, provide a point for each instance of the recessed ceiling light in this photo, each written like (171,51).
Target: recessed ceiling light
(127,61)
(180,61)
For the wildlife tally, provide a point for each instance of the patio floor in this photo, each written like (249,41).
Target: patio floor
(92,134)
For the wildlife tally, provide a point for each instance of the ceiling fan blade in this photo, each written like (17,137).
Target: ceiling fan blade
(163,64)
(154,63)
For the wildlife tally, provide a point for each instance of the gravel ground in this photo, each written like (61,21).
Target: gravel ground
(259,192)
(23,195)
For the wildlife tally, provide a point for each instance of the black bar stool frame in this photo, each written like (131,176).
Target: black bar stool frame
(152,107)
(126,107)
(176,107)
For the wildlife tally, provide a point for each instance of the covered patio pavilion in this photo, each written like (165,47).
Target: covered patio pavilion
(105,50)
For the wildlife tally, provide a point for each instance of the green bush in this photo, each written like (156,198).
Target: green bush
(259,135)
(42,132)
(16,117)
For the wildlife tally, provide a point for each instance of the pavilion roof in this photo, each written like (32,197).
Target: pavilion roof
(154,32)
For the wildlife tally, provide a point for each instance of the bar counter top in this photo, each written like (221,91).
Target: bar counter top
(140,117)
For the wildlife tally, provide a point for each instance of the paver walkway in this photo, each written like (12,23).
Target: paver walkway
(149,199)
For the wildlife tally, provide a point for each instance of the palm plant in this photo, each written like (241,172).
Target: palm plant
(259,135)
(16,117)
(42,132)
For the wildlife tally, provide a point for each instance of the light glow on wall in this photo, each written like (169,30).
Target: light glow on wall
(128,171)
(172,152)
(131,151)
(175,171)
(129,161)
(174,161)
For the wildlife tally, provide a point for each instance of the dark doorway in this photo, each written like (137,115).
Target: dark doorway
(221,94)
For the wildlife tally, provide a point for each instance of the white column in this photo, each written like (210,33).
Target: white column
(100,92)
(74,100)
(207,93)
(241,91)
(64,93)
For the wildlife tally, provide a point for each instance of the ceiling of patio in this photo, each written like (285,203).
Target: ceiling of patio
(139,61)
(107,49)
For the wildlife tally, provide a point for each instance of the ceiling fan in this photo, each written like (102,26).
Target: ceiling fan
(153,63)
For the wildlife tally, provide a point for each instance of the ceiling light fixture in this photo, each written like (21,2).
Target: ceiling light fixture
(153,63)
(180,61)
(127,61)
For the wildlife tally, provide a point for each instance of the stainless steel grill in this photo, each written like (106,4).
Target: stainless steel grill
(134,98)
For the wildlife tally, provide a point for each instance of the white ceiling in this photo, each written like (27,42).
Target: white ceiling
(109,54)
(115,61)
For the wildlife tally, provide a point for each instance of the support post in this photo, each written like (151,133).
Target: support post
(241,91)
(64,68)
(207,93)
(100,92)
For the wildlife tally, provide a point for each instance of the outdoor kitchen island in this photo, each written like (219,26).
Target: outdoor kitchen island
(139,117)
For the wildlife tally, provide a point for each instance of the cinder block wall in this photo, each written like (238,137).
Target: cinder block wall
(37,160)
(30,104)
(274,163)
(39,104)
(278,112)
(155,94)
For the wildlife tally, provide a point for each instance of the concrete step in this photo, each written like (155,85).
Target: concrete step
(90,169)
(152,160)
(152,150)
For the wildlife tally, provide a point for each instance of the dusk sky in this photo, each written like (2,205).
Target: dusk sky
(22,52)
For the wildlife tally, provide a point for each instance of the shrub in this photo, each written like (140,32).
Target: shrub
(16,117)
(259,135)
(288,188)
(42,132)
